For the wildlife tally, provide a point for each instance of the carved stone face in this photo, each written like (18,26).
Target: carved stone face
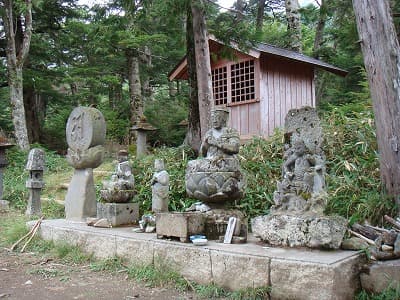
(299,148)
(159,165)
(218,118)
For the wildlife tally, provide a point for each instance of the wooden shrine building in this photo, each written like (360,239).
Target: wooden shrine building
(261,85)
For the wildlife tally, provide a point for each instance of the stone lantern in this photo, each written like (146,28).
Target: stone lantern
(4,144)
(35,183)
(142,128)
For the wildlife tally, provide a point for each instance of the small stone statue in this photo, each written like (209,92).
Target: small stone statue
(120,188)
(217,177)
(35,183)
(160,187)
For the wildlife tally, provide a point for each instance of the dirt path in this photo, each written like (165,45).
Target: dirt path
(28,276)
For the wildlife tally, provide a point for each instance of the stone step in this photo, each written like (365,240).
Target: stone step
(291,273)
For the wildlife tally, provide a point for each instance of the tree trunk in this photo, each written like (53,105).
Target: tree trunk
(381,53)
(319,31)
(193,138)
(34,109)
(203,66)
(260,15)
(135,89)
(294,24)
(15,61)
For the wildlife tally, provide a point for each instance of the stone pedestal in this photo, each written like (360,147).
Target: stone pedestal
(320,232)
(118,213)
(80,201)
(34,206)
(179,225)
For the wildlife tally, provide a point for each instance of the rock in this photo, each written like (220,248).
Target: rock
(396,246)
(4,205)
(387,248)
(91,221)
(381,275)
(354,243)
(150,229)
(321,232)
(104,223)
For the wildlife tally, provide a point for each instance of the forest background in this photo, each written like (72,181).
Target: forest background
(82,55)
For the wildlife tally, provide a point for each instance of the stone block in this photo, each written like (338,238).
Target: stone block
(308,281)
(118,213)
(80,201)
(192,262)
(180,225)
(135,251)
(234,271)
(381,275)
(323,232)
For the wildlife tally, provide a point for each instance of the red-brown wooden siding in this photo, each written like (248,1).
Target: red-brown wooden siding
(283,85)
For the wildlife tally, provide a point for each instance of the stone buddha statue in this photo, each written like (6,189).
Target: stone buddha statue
(216,177)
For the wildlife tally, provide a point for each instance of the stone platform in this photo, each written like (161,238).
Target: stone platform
(291,273)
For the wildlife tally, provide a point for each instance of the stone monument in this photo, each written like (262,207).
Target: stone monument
(86,133)
(35,183)
(117,194)
(216,179)
(297,217)
(159,187)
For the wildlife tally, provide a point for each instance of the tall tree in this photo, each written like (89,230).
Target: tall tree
(203,66)
(193,136)
(319,31)
(294,24)
(18,42)
(381,53)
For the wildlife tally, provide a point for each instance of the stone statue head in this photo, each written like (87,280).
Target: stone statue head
(219,118)
(159,165)
(299,147)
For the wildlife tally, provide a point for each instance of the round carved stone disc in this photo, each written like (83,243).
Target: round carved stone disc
(86,128)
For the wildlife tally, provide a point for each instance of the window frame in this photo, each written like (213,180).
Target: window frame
(228,64)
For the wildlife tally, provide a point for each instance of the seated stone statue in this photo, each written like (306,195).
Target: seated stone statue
(217,176)
(120,187)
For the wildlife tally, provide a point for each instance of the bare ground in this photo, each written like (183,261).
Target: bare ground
(29,276)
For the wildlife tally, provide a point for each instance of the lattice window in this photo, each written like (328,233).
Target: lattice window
(242,81)
(220,85)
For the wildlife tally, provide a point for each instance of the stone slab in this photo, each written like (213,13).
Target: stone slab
(180,225)
(291,273)
(381,275)
(118,213)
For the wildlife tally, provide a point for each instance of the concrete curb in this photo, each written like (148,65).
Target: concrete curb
(291,273)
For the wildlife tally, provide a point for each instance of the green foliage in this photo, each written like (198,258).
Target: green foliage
(388,294)
(261,160)
(175,160)
(71,254)
(153,276)
(353,178)
(15,177)
(113,264)
(165,113)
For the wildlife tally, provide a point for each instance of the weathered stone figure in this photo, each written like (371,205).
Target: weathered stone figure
(86,133)
(120,188)
(217,177)
(297,217)
(35,183)
(116,206)
(160,187)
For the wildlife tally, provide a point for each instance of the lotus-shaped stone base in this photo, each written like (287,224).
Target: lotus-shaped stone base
(117,196)
(214,181)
